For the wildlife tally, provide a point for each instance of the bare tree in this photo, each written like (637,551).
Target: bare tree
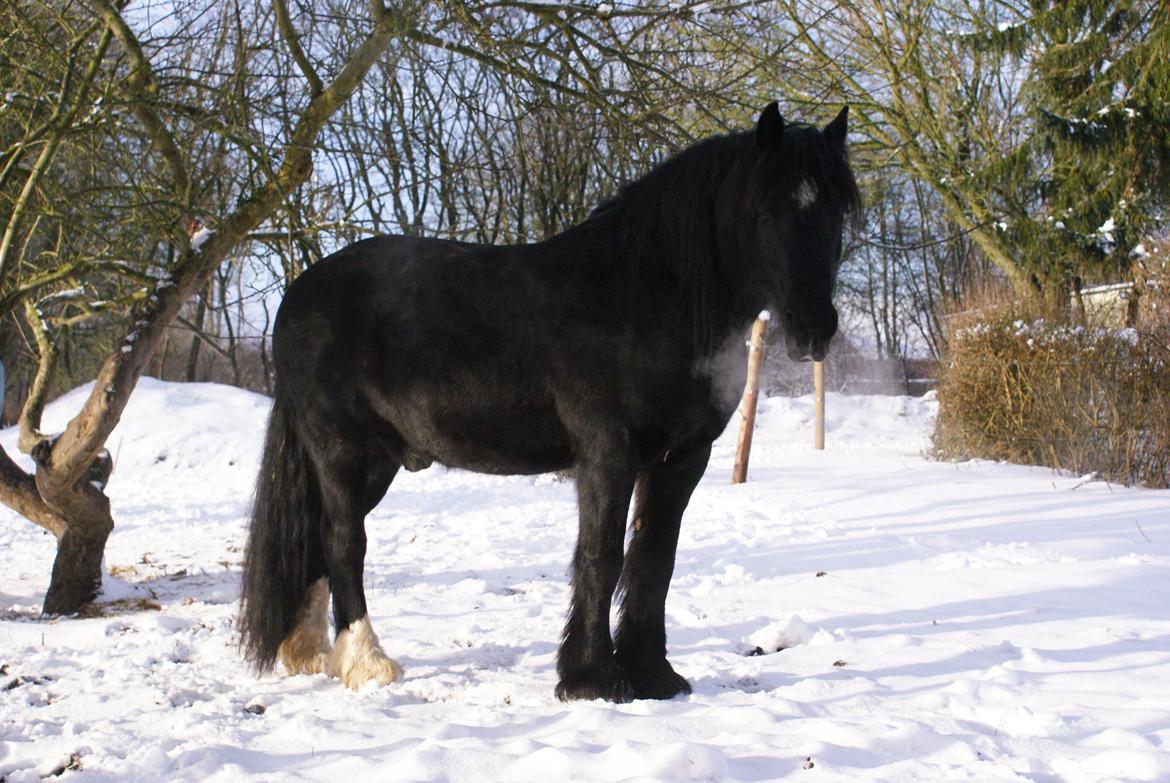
(65,495)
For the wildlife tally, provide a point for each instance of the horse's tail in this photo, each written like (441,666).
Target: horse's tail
(284,544)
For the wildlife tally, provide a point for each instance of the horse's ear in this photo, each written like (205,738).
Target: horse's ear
(770,127)
(836,130)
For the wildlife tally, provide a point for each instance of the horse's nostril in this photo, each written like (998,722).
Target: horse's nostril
(800,350)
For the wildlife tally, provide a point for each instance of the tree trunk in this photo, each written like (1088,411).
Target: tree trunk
(77,569)
(196,334)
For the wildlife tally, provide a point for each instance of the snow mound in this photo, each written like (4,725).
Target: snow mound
(778,636)
(169,427)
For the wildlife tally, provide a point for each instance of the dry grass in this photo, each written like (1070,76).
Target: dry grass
(120,607)
(1022,386)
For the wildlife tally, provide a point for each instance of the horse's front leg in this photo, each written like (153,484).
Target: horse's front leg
(585,662)
(663,493)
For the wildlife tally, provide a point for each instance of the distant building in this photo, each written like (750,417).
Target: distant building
(1117,305)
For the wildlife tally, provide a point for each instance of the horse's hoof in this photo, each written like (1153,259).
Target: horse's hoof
(657,681)
(379,668)
(306,649)
(609,684)
(317,663)
(357,658)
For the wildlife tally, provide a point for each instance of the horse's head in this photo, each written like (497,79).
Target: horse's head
(803,191)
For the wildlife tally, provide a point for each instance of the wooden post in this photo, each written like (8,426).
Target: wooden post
(751,394)
(819,405)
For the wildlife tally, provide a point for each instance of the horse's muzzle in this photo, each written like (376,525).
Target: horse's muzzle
(808,338)
(815,350)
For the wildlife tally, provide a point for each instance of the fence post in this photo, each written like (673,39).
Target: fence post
(751,394)
(819,405)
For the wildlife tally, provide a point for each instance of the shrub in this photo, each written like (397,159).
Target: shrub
(1042,392)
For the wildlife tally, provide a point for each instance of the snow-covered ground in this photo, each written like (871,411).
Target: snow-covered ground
(970,622)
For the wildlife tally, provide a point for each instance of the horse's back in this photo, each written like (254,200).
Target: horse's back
(443,348)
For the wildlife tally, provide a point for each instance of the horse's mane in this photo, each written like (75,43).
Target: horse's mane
(669,221)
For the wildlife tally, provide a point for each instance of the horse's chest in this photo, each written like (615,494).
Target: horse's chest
(695,414)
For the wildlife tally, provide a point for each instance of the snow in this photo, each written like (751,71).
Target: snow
(1106,229)
(939,621)
(200,237)
(58,296)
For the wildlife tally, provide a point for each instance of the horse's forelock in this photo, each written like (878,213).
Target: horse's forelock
(804,161)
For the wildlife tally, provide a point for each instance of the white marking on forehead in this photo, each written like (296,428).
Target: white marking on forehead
(806,194)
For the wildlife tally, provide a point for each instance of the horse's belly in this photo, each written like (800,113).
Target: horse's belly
(497,458)
(502,441)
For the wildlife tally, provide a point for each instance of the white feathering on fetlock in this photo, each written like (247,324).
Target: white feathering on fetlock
(357,657)
(306,649)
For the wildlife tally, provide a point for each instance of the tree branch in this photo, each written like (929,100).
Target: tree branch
(87,432)
(34,405)
(292,40)
(144,88)
(59,127)
(18,491)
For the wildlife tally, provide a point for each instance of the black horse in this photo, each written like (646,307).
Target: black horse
(614,349)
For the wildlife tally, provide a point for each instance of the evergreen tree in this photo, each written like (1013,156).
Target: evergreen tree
(1099,92)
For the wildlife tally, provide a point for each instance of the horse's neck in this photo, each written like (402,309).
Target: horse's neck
(743,296)
(727,304)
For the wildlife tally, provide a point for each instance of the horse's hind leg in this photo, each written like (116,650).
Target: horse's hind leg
(352,481)
(663,493)
(306,649)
